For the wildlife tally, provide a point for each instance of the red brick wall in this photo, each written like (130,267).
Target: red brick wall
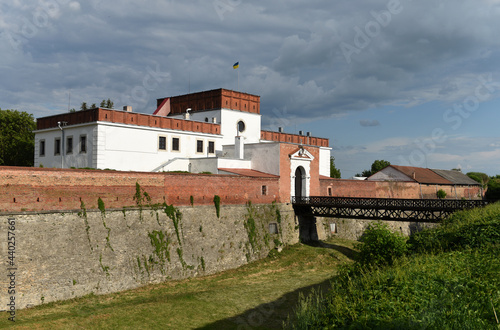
(38,189)
(131,118)
(392,189)
(285,174)
(293,138)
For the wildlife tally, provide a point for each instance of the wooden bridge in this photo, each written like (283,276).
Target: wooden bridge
(421,210)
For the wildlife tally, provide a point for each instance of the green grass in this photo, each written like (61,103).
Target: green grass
(259,295)
(450,280)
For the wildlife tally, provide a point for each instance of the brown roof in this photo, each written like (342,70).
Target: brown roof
(246,172)
(421,175)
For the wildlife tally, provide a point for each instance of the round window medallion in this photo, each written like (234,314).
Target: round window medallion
(241,126)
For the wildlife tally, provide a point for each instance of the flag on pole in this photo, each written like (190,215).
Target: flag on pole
(236,65)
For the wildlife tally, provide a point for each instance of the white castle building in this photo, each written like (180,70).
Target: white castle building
(217,131)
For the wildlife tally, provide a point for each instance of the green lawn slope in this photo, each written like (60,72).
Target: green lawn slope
(449,278)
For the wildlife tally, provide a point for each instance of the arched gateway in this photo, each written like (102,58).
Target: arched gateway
(300,182)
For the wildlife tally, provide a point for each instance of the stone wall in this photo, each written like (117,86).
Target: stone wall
(67,254)
(353,229)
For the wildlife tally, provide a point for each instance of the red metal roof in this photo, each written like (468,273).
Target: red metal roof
(421,175)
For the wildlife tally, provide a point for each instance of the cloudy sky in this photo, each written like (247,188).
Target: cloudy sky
(412,82)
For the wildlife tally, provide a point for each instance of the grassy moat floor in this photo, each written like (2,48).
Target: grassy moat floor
(258,295)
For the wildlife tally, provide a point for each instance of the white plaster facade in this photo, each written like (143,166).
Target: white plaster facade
(229,119)
(130,147)
(124,147)
(300,164)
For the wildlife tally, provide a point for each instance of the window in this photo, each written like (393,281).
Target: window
(264,190)
(273,228)
(175,144)
(69,145)
(83,143)
(199,146)
(329,191)
(57,146)
(42,148)
(162,143)
(241,126)
(211,147)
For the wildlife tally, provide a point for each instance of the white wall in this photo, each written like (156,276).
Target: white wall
(73,159)
(228,120)
(264,157)
(324,161)
(124,147)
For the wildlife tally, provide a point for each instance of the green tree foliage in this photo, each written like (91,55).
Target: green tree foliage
(380,245)
(441,194)
(480,177)
(377,165)
(108,104)
(334,171)
(493,191)
(17,140)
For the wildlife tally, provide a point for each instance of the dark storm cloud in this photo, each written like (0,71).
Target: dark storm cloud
(290,52)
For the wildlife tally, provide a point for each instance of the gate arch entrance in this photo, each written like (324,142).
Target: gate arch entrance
(300,182)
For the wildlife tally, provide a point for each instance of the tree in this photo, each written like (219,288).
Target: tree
(334,172)
(83,107)
(109,104)
(379,165)
(376,166)
(480,177)
(17,140)
(493,191)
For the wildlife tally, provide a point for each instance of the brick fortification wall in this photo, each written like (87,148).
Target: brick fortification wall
(38,189)
(63,255)
(394,189)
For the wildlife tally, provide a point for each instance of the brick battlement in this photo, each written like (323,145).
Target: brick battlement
(44,189)
(293,138)
(129,118)
(213,100)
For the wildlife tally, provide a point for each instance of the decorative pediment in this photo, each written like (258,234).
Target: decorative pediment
(301,154)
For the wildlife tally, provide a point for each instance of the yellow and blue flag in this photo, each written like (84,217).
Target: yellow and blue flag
(236,65)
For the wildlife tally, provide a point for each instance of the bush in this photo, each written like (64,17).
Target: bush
(463,229)
(380,245)
(441,194)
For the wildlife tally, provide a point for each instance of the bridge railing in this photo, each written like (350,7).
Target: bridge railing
(390,203)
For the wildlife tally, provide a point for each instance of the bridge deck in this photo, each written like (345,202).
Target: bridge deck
(422,210)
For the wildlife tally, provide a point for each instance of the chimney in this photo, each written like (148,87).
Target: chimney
(308,133)
(301,132)
(186,115)
(214,120)
(239,152)
(413,175)
(127,108)
(280,129)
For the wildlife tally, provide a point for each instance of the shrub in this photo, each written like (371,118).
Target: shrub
(441,194)
(380,245)
(463,229)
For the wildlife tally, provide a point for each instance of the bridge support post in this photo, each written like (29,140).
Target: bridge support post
(307,229)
